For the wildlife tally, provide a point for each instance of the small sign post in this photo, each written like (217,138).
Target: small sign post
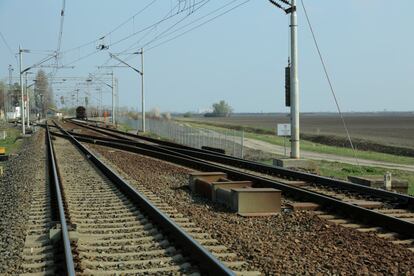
(284,130)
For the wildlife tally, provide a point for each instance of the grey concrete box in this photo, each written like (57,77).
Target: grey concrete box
(228,185)
(294,163)
(223,196)
(206,176)
(256,201)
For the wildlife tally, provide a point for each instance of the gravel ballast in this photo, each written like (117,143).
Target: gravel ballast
(288,243)
(16,186)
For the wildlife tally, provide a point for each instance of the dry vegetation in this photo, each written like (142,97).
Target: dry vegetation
(394,129)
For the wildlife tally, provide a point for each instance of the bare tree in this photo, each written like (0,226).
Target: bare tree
(43,93)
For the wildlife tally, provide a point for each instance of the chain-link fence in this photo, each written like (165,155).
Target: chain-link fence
(231,141)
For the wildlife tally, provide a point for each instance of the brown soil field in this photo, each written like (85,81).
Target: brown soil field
(393,129)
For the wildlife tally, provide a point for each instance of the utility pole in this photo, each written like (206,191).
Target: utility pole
(142,90)
(294,84)
(10,89)
(28,104)
(21,90)
(113,98)
(116,101)
(28,99)
(294,79)
(141,72)
(25,102)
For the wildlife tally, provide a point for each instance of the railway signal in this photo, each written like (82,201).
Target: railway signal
(292,92)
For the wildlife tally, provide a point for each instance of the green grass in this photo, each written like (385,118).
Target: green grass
(315,147)
(125,128)
(11,143)
(341,171)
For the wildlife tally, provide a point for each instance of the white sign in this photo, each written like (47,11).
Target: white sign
(283,130)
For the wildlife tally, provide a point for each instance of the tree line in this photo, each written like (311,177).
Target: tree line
(40,95)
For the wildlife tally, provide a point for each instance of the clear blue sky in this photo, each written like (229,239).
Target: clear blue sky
(239,57)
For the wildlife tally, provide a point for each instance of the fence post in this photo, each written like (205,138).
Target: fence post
(234,143)
(242,143)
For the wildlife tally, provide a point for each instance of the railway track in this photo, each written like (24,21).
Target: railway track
(363,208)
(115,229)
(47,249)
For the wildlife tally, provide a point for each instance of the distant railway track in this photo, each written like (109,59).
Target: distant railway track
(116,229)
(393,213)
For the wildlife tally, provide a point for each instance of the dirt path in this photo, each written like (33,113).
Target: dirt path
(271,148)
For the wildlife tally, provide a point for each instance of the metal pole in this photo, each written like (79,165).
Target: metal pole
(27,99)
(294,84)
(10,90)
(142,90)
(28,106)
(117,101)
(21,90)
(113,99)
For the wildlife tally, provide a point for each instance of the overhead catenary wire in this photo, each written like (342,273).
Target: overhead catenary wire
(199,25)
(130,18)
(191,8)
(191,23)
(176,23)
(198,19)
(98,50)
(8,46)
(157,23)
(153,27)
(329,82)
(116,28)
(133,45)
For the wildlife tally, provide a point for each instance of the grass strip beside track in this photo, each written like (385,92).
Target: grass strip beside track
(315,147)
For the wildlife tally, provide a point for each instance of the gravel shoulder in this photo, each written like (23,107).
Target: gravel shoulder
(15,198)
(288,243)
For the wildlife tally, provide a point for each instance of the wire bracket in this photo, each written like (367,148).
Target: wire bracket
(287,10)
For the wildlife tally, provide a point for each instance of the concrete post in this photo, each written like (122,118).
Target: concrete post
(242,144)
(294,84)
(22,93)
(113,99)
(388,181)
(142,90)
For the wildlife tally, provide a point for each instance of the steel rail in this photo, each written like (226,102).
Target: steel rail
(402,200)
(70,267)
(204,259)
(347,209)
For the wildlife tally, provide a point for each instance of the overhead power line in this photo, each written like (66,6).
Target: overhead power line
(187,25)
(8,46)
(157,23)
(199,25)
(154,25)
(112,30)
(175,24)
